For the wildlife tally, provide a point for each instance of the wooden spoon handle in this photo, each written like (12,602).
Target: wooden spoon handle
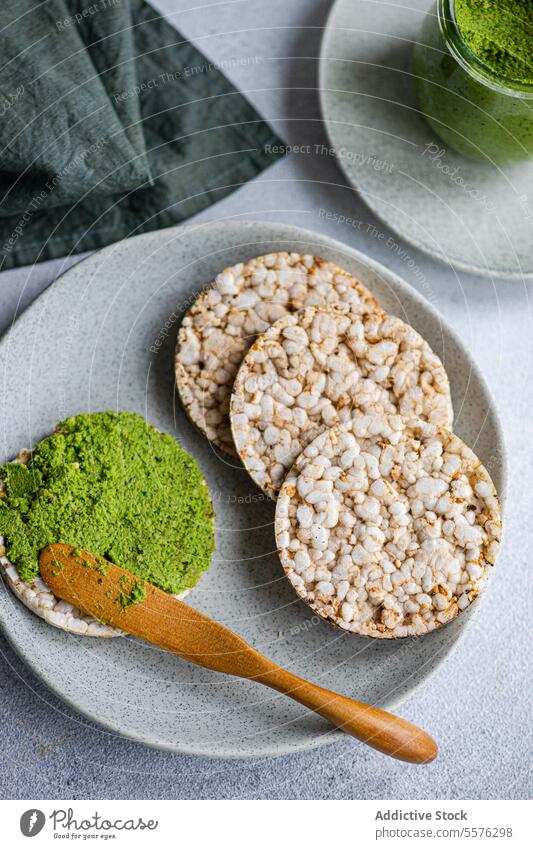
(377,728)
(78,577)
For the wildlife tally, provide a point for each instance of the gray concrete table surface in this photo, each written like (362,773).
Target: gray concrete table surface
(477,704)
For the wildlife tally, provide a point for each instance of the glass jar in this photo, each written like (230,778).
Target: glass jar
(474,110)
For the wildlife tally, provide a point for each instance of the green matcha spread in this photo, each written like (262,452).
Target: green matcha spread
(111,484)
(136,594)
(500,33)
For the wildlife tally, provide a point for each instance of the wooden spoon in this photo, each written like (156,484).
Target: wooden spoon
(105,591)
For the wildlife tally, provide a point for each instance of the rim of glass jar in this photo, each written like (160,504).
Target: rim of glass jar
(470,62)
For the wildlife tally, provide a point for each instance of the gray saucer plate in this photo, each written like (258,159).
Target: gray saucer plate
(475,216)
(102,337)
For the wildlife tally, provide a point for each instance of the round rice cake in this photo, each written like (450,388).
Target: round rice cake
(388,528)
(227,317)
(312,370)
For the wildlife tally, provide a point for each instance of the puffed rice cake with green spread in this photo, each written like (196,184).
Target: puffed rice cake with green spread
(39,598)
(122,490)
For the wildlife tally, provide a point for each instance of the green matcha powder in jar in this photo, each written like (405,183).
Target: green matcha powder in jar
(474,69)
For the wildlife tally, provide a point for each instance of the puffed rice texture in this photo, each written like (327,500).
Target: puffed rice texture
(388,528)
(227,317)
(312,370)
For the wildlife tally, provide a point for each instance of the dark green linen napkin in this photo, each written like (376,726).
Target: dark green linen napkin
(111,124)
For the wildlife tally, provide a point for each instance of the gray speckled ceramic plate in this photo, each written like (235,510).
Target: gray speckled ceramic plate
(477,217)
(119,311)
